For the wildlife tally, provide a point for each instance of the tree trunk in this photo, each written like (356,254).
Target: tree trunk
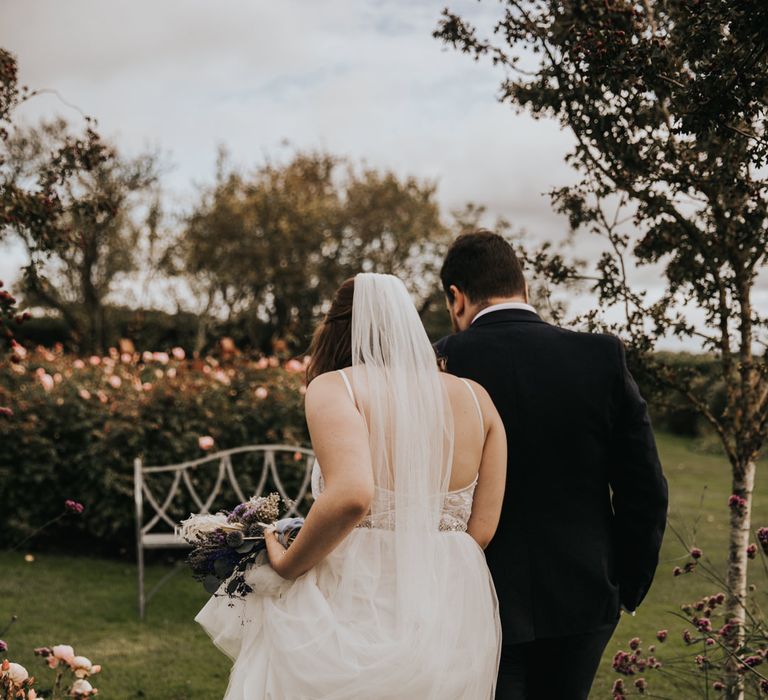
(740,526)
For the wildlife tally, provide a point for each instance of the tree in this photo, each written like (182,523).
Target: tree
(667,103)
(270,248)
(101,207)
(35,207)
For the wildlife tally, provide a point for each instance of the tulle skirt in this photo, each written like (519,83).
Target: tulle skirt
(333,632)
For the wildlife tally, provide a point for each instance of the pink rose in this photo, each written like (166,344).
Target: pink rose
(46,380)
(205,442)
(84,394)
(115,381)
(78,364)
(294,366)
(94,360)
(178,353)
(261,393)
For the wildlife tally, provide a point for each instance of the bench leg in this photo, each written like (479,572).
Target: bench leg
(140,561)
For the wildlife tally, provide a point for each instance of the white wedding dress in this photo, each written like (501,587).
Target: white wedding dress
(336,633)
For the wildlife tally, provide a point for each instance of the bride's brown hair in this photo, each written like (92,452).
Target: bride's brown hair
(331,346)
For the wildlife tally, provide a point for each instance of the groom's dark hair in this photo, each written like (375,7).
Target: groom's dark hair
(483,266)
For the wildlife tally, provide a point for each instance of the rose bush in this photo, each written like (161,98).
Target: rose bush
(78,424)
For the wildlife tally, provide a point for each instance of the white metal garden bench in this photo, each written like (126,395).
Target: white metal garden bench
(217,481)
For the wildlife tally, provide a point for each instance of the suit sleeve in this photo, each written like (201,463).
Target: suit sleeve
(639,490)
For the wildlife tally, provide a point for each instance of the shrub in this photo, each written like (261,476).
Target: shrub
(78,424)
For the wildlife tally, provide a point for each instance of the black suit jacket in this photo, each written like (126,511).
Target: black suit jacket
(585,502)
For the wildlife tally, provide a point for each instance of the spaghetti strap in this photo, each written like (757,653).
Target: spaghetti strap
(477,404)
(348,385)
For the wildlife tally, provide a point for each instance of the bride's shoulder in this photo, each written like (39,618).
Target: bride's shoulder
(325,386)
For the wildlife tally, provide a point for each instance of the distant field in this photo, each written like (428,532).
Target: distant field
(91,603)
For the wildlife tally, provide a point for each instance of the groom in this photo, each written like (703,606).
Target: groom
(586,501)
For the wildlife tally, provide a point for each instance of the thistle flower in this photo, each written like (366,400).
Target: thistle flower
(74,506)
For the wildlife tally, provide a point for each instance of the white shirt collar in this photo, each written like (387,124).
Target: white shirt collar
(503,307)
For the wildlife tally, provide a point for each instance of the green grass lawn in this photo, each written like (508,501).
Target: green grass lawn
(91,603)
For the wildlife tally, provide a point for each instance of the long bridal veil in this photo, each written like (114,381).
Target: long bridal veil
(411,437)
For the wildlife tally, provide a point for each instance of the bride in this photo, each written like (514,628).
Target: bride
(386,593)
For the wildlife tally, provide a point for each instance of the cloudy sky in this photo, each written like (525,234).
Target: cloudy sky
(363,79)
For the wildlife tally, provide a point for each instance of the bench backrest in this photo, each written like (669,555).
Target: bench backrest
(169,493)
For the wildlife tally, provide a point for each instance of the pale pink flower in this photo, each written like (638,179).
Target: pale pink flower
(18,369)
(48,356)
(159,373)
(78,364)
(16,673)
(294,366)
(31,694)
(18,350)
(126,358)
(262,363)
(81,665)
(102,396)
(113,352)
(84,394)
(94,360)
(273,362)
(58,377)
(108,362)
(64,652)
(46,380)
(178,353)
(171,372)
(146,356)
(115,381)
(205,442)
(206,369)
(221,376)
(161,357)
(147,386)
(261,393)
(81,688)
(95,668)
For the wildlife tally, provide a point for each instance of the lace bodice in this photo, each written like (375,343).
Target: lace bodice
(457,505)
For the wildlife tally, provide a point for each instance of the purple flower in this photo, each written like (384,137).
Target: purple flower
(3,646)
(736,502)
(634,643)
(762,536)
(718,685)
(74,506)
(696,553)
(677,571)
(641,684)
(752,551)
(704,625)
(687,637)
(662,635)
(753,661)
